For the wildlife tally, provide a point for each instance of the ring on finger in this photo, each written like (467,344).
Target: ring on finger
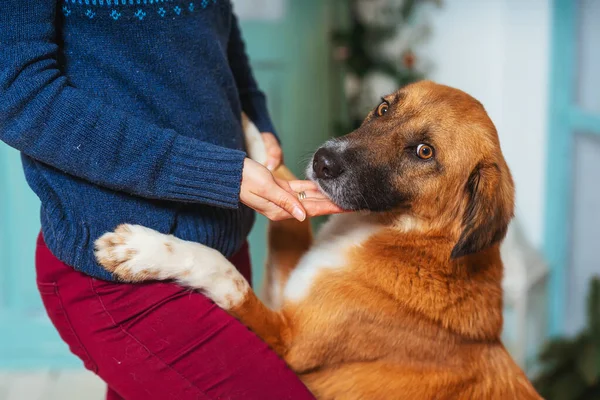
(302,195)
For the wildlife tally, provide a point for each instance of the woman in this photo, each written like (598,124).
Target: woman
(129,111)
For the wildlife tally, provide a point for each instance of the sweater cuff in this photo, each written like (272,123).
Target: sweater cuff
(254,104)
(204,173)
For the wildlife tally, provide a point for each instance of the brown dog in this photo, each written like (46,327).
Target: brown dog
(401,300)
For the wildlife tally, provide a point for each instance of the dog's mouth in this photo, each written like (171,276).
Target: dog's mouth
(330,193)
(340,190)
(310,175)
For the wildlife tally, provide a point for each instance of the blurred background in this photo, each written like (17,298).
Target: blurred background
(534,64)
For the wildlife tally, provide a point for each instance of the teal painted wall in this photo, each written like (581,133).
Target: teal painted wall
(27,339)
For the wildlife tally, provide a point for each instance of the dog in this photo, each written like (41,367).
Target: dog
(398,299)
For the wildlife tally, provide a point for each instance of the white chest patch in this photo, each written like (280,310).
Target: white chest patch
(329,251)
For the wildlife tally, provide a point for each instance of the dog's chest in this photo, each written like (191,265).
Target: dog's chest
(333,243)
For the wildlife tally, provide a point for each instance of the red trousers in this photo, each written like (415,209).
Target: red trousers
(160,341)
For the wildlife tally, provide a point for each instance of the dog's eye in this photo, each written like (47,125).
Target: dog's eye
(424,151)
(382,109)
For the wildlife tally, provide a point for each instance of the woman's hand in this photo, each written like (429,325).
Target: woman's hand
(277,199)
(274,152)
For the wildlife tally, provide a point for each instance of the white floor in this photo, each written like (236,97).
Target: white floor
(51,385)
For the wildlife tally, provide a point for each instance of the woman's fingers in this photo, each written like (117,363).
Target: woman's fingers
(315,208)
(310,191)
(315,194)
(277,199)
(312,207)
(261,192)
(303,186)
(268,209)
(283,199)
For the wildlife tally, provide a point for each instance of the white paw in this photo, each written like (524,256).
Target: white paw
(135,253)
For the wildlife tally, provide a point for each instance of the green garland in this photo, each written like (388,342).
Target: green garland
(358,39)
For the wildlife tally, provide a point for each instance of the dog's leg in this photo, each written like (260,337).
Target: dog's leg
(255,147)
(134,253)
(288,240)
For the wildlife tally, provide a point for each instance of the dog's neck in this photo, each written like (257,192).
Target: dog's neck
(462,295)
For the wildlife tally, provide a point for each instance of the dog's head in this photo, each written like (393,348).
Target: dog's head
(429,156)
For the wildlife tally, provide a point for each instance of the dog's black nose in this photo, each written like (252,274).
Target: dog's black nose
(327,164)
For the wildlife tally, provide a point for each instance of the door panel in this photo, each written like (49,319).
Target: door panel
(585,227)
(588,82)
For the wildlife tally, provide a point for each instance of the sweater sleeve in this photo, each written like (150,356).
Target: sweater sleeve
(49,120)
(254,102)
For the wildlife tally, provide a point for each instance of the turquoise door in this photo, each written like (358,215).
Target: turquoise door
(573,193)
(290,55)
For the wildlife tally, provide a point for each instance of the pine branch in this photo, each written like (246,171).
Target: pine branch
(571,367)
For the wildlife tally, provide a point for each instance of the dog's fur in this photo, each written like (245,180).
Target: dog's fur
(399,300)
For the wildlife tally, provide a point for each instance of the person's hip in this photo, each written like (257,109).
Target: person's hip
(50,269)
(70,232)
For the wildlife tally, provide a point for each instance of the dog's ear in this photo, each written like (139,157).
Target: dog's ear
(490,205)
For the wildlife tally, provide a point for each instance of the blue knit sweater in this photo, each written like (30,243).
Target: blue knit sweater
(128,111)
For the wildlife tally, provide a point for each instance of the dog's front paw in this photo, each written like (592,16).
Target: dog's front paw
(134,253)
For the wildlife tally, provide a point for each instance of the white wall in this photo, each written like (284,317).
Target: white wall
(498,51)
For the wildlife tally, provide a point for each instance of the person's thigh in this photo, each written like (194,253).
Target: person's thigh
(160,341)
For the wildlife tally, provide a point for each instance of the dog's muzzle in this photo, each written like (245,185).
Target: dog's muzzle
(327,164)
